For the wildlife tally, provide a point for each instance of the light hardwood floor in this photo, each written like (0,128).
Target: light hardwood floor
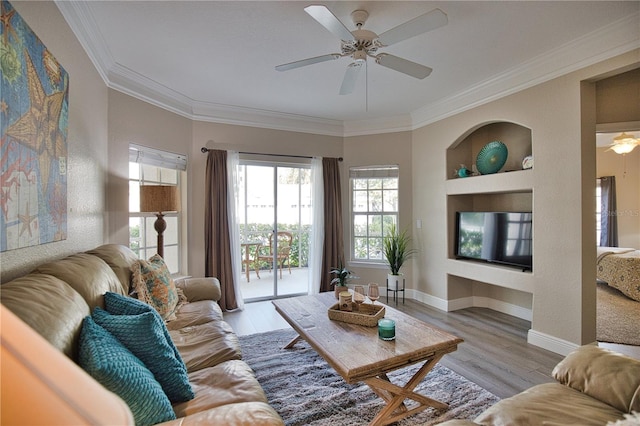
(495,353)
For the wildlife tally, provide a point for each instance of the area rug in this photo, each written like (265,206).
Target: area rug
(305,390)
(617,317)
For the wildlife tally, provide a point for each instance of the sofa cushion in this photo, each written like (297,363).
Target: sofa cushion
(88,275)
(602,374)
(549,403)
(238,414)
(154,285)
(117,369)
(144,336)
(50,307)
(195,313)
(120,259)
(227,383)
(206,345)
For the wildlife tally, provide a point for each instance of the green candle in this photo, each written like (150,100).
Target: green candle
(387,329)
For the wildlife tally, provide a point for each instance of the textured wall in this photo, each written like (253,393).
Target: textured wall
(87,144)
(564,173)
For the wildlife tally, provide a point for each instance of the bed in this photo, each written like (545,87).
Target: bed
(620,269)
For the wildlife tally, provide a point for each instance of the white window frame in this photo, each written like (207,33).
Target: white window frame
(370,173)
(173,167)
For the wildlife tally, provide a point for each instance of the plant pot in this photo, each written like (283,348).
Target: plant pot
(394,282)
(339,289)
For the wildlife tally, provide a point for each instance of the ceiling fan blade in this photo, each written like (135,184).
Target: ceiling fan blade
(404,66)
(350,77)
(423,23)
(328,20)
(308,61)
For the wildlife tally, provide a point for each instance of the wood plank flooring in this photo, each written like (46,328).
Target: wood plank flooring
(495,353)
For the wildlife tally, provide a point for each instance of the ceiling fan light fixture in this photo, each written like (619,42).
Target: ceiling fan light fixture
(624,144)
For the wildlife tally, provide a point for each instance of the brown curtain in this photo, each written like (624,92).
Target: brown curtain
(333,250)
(608,210)
(217,240)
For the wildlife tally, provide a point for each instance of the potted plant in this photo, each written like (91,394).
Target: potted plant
(396,253)
(342,277)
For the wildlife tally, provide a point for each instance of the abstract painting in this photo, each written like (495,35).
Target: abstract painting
(34,109)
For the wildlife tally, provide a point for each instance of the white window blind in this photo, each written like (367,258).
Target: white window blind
(374,172)
(154,157)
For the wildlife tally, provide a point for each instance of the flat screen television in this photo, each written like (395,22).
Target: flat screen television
(497,237)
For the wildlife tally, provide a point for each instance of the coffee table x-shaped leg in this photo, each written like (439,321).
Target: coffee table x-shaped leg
(395,395)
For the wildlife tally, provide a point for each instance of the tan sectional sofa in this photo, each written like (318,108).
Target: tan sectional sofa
(595,386)
(55,298)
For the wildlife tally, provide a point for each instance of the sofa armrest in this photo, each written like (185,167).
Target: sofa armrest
(602,374)
(196,289)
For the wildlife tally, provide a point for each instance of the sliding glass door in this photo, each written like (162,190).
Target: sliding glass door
(275,224)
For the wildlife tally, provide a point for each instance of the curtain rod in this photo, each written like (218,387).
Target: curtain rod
(204,150)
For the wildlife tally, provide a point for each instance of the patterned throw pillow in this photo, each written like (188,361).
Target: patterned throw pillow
(144,336)
(118,304)
(154,285)
(110,363)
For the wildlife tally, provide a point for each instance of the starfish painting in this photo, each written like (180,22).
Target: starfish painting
(5,18)
(25,220)
(34,90)
(38,128)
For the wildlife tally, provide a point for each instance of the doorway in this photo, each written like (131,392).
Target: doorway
(275,219)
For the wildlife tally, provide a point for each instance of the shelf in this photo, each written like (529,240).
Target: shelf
(516,181)
(499,275)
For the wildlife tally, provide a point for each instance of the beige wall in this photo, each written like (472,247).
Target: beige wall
(383,149)
(563,143)
(87,144)
(628,191)
(137,122)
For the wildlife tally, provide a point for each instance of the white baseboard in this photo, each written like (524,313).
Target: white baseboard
(471,302)
(550,343)
(534,337)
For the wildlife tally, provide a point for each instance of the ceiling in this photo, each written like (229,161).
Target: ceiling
(214,60)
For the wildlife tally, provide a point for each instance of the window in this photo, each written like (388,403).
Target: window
(374,208)
(151,167)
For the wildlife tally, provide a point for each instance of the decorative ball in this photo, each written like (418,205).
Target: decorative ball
(527,163)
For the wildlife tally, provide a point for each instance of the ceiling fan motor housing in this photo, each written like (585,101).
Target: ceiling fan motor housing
(359,17)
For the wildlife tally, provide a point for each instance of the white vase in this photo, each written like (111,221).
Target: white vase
(394,282)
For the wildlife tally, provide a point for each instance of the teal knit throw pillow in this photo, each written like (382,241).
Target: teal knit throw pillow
(118,304)
(117,369)
(144,336)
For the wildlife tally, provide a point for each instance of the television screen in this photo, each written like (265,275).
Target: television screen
(499,237)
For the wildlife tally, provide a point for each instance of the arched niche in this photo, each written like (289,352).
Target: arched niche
(465,149)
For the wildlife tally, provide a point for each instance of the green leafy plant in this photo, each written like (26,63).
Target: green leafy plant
(396,249)
(343,275)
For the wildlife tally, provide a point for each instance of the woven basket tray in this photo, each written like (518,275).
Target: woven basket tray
(368,315)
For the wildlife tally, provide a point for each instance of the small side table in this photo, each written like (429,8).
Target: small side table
(395,292)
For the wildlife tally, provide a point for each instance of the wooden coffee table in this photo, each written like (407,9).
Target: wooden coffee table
(358,355)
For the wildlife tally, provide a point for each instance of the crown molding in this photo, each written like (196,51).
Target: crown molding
(607,42)
(240,116)
(614,39)
(376,126)
(80,20)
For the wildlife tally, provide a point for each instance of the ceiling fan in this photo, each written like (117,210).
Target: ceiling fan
(360,43)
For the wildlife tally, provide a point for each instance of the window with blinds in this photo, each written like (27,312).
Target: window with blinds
(374,208)
(149,166)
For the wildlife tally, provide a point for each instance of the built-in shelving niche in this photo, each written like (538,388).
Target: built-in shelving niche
(511,189)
